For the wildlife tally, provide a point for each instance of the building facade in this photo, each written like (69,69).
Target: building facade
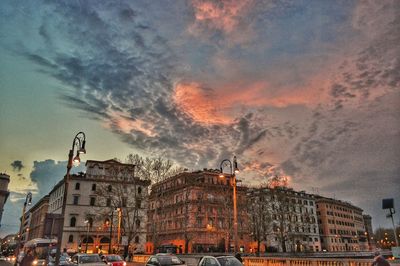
(194,212)
(341,225)
(38,218)
(4,193)
(369,233)
(283,220)
(105,204)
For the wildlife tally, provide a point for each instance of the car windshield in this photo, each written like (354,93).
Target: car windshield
(114,258)
(169,260)
(89,259)
(229,261)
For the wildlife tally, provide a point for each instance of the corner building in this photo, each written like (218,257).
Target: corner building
(341,225)
(194,212)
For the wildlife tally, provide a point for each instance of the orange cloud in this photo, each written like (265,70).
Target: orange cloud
(199,104)
(126,125)
(224,16)
(223,104)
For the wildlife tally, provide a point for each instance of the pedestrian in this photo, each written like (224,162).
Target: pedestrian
(28,259)
(379,260)
(239,257)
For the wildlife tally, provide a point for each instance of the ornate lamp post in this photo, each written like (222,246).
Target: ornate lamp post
(78,142)
(232,178)
(87,234)
(28,201)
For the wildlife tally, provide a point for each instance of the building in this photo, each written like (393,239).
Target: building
(369,233)
(283,220)
(38,218)
(194,212)
(4,193)
(341,225)
(25,227)
(91,216)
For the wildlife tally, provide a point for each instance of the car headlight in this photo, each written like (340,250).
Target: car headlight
(34,262)
(109,263)
(124,263)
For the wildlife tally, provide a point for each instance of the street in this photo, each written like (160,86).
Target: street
(5,263)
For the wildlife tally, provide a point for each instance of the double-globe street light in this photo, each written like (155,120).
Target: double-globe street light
(232,179)
(78,142)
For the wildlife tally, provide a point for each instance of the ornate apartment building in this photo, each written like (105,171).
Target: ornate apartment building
(341,225)
(194,212)
(106,195)
(283,220)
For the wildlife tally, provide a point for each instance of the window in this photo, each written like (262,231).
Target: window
(76,200)
(70,239)
(109,188)
(77,186)
(124,201)
(137,223)
(72,222)
(93,187)
(136,239)
(92,201)
(139,190)
(108,203)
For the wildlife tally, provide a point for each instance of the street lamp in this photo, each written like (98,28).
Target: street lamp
(232,177)
(28,201)
(79,142)
(87,234)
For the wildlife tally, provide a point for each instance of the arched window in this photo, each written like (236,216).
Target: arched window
(72,222)
(105,240)
(70,239)
(109,188)
(137,223)
(93,187)
(136,239)
(139,190)
(77,186)
(88,240)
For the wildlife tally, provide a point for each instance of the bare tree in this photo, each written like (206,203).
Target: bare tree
(260,217)
(154,169)
(126,192)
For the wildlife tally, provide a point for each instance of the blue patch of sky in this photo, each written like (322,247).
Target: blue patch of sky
(303,27)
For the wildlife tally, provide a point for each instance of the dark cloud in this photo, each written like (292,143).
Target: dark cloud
(17,165)
(46,174)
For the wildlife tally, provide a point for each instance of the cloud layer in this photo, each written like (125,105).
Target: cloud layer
(308,90)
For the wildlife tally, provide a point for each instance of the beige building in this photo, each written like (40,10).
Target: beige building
(284,220)
(341,225)
(4,180)
(91,208)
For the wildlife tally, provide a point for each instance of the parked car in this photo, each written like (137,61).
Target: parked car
(114,260)
(64,260)
(87,260)
(163,259)
(219,261)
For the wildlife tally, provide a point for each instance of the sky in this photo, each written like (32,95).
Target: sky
(309,90)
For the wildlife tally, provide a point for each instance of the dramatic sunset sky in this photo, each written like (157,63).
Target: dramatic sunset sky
(306,89)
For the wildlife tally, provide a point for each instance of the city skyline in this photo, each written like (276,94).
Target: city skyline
(304,89)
